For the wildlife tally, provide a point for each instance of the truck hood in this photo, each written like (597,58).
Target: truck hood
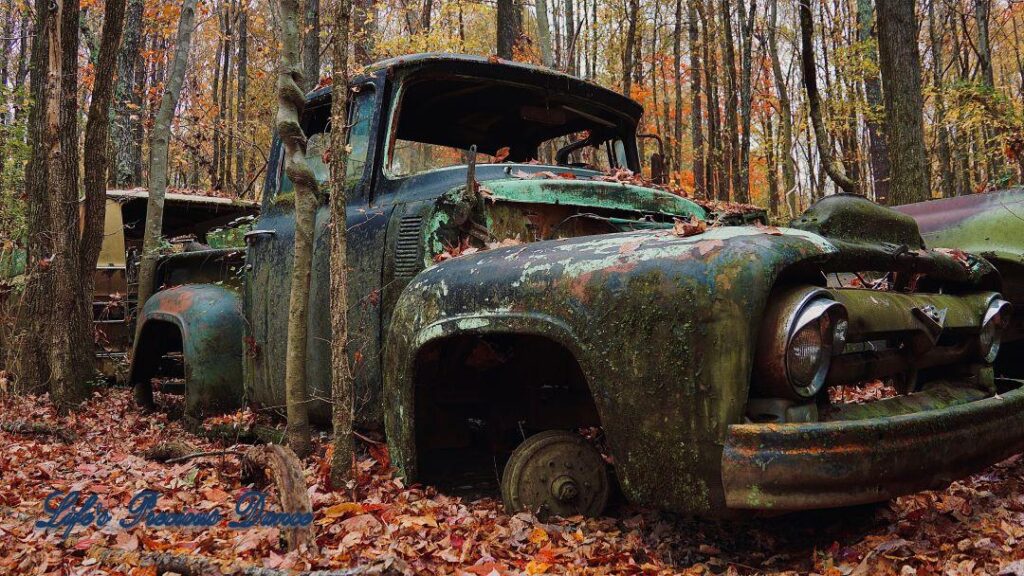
(618,196)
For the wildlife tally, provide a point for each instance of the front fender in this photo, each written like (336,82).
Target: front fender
(210,320)
(663,327)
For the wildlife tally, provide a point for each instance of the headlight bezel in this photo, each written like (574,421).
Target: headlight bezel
(790,313)
(995,320)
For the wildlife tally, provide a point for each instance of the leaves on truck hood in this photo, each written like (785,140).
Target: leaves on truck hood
(689,227)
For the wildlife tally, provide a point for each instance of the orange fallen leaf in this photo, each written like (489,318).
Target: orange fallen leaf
(690,227)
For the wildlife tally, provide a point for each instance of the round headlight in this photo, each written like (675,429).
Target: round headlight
(991,335)
(814,337)
(803,359)
(804,327)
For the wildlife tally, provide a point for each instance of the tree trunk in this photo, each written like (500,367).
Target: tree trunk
(544,33)
(30,362)
(364,29)
(96,161)
(696,120)
(509,26)
(771,165)
(158,147)
(629,51)
(730,141)
(241,177)
(126,114)
(69,361)
(878,152)
(832,167)
(342,387)
(786,114)
(982,10)
(713,177)
(223,106)
(747,29)
(570,36)
(942,149)
(311,46)
(901,83)
(215,165)
(290,105)
(425,15)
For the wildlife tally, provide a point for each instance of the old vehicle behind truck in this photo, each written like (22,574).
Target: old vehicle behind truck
(191,222)
(533,308)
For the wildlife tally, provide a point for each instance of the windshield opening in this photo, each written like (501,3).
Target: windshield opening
(507,122)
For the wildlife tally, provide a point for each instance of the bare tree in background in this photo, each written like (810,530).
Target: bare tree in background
(96,160)
(342,385)
(832,166)
(878,154)
(291,102)
(159,142)
(785,111)
(904,103)
(509,27)
(311,46)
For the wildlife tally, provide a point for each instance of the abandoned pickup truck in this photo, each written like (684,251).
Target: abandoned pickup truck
(532,314)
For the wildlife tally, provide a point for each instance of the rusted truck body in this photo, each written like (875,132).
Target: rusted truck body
(537,313)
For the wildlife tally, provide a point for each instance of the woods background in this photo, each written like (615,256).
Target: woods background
(721,82)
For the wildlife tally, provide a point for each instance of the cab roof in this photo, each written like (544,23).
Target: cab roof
(498,69)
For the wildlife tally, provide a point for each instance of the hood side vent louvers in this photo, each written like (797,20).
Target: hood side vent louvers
(408,258)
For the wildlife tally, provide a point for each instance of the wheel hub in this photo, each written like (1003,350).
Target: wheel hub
(556,473)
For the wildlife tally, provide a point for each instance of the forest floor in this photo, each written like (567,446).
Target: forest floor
(974,527)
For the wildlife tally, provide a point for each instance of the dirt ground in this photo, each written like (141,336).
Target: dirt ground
(976,526)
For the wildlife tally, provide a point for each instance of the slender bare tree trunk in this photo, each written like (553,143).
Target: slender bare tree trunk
(96,160)
(832,167)
(747,30)
(570,35)
(942,148)
(544,33)
(877,149)
(127,116)
(714,173)
(730,139)
(215,166)
(224,106)
(786,113)
(904,102)
(311,46)
(629,52)
(243,87)
(158,148)
(290,104)
(364,29)
(342,386)
(696,119)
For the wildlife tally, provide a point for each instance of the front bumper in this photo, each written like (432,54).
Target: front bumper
(843,463)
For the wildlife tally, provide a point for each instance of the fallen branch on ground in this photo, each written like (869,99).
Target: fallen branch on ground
(286,473)
(64,435)
(187,457)
(164,451)
(191,565)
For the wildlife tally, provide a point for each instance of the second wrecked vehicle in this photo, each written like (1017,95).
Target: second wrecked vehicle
(532,314)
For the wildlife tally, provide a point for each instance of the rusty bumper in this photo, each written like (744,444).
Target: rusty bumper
(830,464)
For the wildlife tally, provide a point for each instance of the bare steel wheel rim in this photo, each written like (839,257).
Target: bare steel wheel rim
(556,473)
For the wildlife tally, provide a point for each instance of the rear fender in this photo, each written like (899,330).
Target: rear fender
(210,321)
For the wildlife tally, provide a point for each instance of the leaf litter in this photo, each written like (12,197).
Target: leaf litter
(976,526)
